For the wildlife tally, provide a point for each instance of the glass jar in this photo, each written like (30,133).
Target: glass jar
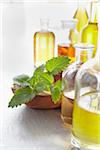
(44,44)
(83,53)
(69,36)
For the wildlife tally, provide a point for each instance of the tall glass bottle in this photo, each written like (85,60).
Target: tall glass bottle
(83,53)
(44,44)
(90,32)
(86,114)
(82,16)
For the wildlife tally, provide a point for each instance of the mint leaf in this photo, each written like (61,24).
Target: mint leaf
(57,64)
(56,91)
(41,87)
(21,96)
(47,77)
(42,82)
(43,78)
(36,76)
(39,70)
(21,79)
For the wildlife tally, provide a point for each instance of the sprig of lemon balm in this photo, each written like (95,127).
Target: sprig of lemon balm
(41,80)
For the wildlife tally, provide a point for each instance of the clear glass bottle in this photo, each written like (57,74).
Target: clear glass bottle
(86,114)
(44,44)
(83,53)
(69,36)
(82,16)
(90,32)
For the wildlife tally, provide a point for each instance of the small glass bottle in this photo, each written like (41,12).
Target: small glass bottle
(82,16)
(90,32)
(86,113)
(69,36)
(83,53)
(44,44)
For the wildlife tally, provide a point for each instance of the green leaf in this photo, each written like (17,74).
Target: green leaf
(21,96)
(56,91)
(39,70)
(47,77)
(57,64)
(36,76)
(44,78)
(21,79)
(41,87)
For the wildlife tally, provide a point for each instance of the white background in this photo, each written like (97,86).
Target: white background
(19,22)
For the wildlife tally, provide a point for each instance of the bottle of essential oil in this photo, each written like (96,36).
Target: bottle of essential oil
(44,44)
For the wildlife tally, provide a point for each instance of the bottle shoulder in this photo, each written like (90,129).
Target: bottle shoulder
(44,33)
(91,26)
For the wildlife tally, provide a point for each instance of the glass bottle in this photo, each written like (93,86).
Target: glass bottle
(69,36)
(86,114)
(82,16)
(44,44)
(83,53)
(90,32)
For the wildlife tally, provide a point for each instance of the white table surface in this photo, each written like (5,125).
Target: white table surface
(29,129)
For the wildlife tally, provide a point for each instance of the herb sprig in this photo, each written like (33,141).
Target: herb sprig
(42,80)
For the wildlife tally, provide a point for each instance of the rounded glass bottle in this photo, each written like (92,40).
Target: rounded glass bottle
(83,53)
(86,113)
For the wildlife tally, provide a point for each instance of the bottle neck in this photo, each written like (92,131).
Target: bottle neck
(93,12)
(83,52)
(44,23)
(83,56)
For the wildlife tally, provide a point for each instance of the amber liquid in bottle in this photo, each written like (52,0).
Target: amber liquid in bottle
(66,48)
(90,32)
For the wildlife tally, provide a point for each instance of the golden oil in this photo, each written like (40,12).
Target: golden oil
(86,119)
(90,32)
(44,44)
(82,17)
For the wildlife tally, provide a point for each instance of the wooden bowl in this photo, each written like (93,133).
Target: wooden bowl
(43,102)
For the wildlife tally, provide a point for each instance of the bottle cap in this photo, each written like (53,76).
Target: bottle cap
(69,24)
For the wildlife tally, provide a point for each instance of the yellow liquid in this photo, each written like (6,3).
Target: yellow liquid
(82,16)
(44,43)
(90,35)
(86,119)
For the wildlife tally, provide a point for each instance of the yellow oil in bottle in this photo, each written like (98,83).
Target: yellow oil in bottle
(82,17)
(90,35)
(86,119)
(90,32)
(44,43)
